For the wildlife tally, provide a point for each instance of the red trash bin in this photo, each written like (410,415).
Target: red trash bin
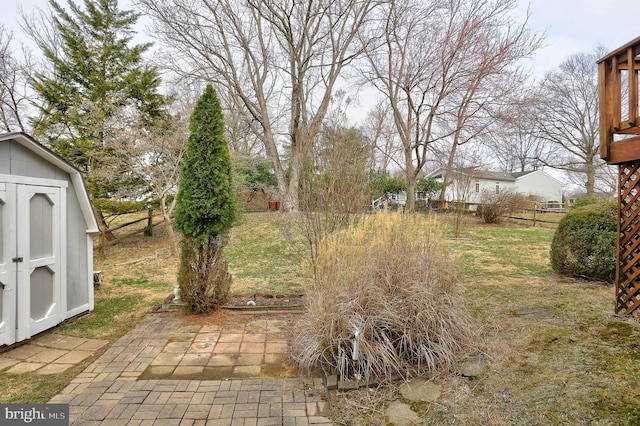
(274,205)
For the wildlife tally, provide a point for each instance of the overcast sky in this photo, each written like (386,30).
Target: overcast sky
(576,26)
(572,26)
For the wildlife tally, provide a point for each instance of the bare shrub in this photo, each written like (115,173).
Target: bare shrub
(334,188)
(384,302)
(460,187)
(498,204)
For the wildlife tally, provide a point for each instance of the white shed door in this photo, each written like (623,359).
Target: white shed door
(7,269)
(32,235)
(39,245)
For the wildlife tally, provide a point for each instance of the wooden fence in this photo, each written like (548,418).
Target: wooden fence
(548,216)
(108,238)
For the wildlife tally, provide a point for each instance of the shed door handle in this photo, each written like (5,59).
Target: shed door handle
(17,259)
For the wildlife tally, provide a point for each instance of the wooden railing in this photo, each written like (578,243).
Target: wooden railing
(619,113)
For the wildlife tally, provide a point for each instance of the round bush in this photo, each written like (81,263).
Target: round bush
(585,243)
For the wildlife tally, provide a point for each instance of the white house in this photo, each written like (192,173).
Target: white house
(46,248)
(468,185)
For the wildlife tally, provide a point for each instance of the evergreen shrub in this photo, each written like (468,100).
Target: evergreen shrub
(585,242)
(205,208)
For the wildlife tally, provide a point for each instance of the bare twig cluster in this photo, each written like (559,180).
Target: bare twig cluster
(335,188)
(498,204)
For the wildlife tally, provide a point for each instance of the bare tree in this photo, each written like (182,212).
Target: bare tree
(240,137)
(512,140)
(460,186)
(154,154)
(334,186)
(280,59)
(379,127)
(13,86)
(438,65)
(567,117)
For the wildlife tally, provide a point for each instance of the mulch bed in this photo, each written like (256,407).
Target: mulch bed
(250,302)
(266,300)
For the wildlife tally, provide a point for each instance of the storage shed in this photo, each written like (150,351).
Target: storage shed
(46,248)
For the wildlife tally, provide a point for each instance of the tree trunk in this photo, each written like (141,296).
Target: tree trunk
(590,171)
(411,198)
(448,172)
(288,185)
(290,200)
(166,217)
(410,179)
(291,196)
(108,235)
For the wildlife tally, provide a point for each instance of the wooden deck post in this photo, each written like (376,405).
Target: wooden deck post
(620,145)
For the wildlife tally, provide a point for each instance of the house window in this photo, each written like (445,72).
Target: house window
(477,186)
(497,187)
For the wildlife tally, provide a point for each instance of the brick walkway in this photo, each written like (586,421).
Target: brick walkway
(164,372)
(49,354)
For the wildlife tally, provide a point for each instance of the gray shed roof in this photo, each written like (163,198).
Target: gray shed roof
(37,148)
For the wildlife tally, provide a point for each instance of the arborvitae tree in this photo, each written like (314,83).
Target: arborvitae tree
(206,208)
(95,80)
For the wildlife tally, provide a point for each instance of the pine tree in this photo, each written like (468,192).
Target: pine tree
(94,79)
(206,208)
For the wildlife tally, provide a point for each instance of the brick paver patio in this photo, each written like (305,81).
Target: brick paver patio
(167,372)
(50,354)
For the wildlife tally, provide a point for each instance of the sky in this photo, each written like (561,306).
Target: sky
(571,26)
(578,26)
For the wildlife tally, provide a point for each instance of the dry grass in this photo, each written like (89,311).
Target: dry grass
(267,255)
(384,302)
(555,352)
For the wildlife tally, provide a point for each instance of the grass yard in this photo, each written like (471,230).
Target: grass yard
(555,352)
(266,256)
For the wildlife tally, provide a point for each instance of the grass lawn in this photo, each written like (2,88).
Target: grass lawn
(556,354)
(266,256)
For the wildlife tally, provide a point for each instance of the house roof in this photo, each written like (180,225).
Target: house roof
(520,174)
(40,150)
(488,175)
(481,174)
